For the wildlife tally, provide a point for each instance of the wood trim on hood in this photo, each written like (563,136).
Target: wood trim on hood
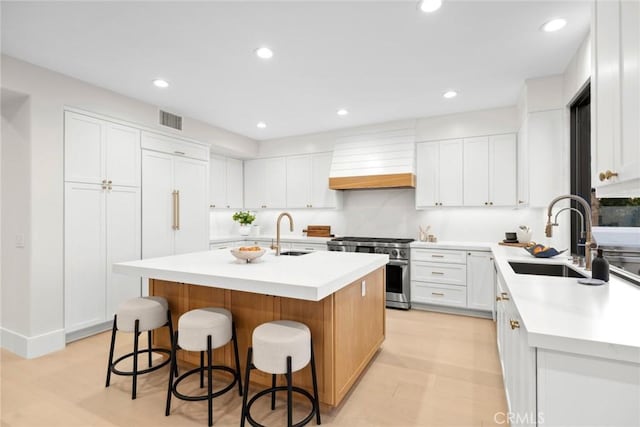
(396,180)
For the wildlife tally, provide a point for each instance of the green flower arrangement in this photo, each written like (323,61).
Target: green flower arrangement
(244,217)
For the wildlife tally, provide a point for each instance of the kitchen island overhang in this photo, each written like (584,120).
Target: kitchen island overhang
(339,296)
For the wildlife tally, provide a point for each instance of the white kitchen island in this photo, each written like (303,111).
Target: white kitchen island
(340,296)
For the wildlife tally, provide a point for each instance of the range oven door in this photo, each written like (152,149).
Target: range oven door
(397,286)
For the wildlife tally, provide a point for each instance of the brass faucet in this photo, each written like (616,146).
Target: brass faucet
(283,214)
(588,244)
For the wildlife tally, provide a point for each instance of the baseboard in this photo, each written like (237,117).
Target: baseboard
(87,332)
(32,347)
(452,310)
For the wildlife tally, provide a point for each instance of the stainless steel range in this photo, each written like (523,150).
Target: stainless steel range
(398,280)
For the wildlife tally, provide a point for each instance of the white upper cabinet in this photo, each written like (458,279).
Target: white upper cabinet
(225,183)
(616,92)
(439,174)
(490,171)
(502,170)
(308,182)
(97,150)
(235,184)
(299,173)
(476,171)
(265,183)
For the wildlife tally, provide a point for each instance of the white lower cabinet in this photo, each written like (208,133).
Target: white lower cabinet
(553,388)
(102,226)
(309,247)
(480,280)
(453,278)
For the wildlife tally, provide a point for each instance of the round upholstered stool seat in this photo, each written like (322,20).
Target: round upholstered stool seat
(281,347)
(138,315)
(195,325)
(151,312)
(203,330)
(274,341)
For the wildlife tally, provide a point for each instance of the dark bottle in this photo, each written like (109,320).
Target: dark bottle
(600,267)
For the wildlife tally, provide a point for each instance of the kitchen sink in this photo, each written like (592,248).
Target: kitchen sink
(294,253)
(556,270)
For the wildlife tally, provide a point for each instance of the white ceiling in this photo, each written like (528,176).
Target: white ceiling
(380,60)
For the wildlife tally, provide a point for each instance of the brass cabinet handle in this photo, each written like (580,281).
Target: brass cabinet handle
(505,296)
(437,256)
(498,299)
(520,202)
(486,203)
(212,206)
(176,210)
(514,324)
(179,152)
(228,206)
(607,175)
(439,294)
(437,272)
(491,203)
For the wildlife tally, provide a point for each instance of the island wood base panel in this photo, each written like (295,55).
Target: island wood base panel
(347,327)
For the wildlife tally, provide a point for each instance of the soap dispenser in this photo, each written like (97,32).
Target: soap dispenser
(600,267)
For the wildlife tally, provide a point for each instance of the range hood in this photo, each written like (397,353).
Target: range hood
(374,160)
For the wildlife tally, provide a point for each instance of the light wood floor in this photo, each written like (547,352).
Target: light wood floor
(433,370)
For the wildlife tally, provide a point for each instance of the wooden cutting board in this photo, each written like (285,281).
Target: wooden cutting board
(517,245)
(318,231)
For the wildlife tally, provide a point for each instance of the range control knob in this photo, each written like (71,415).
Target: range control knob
(394,253)
(402,253)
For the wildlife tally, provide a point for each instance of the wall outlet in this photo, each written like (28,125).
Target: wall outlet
(19,240)
(363,285)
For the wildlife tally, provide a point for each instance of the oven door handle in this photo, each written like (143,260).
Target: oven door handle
(401,263)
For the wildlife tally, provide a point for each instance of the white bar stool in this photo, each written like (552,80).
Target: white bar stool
(281,347)
(204,330)
(138,315)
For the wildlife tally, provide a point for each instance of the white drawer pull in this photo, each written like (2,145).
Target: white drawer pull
(439,294)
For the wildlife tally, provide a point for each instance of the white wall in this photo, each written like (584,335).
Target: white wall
(391,212)
(15,215)
(49,93)
(578,71)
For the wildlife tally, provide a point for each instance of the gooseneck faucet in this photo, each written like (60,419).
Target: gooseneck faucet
(283,214)
(582,231)
(587,209)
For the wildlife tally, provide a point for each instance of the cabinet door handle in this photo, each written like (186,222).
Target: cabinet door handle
(176,209)
(437,256)
(520,202)
(179,152)
(505,296)
(514,324)
(490,203)
(212,206)
(498,299)
(437,272)
(438,294)
(607,175)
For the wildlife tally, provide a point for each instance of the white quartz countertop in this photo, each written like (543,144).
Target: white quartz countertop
(309,277)
(561,314)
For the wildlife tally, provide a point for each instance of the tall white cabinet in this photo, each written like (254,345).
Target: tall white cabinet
(615,105)
(175,196)
(101,220)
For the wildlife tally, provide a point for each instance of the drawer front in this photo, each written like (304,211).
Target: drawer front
(435,255)
(310,247)
(436,272)
(151,141)
(430,293)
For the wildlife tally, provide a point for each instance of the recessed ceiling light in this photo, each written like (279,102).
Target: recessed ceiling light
(450,94)
(160,83)
(342,112)
(261,125)
(264,52)
(554,25)
(430,5)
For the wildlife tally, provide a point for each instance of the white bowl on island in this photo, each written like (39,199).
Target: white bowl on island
(248,253)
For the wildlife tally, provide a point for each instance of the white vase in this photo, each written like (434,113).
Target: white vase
(245,229)
(523,235)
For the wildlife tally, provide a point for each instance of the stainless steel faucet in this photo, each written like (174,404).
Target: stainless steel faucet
(582,230)
(588,243)
(283,214)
